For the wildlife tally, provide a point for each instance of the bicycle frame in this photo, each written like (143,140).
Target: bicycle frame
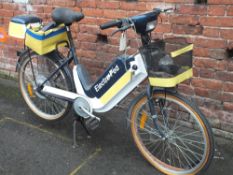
(123,79)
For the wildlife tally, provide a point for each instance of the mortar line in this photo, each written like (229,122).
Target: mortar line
(91,157)
(37,128)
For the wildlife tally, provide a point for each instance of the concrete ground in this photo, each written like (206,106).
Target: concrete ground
(29,146)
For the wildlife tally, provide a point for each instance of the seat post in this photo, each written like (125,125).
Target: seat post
(72,46)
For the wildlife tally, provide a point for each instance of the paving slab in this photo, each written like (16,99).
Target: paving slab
(28,150)
(30,146)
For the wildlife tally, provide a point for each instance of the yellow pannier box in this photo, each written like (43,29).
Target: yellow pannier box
(19,24)
(43,42)
(169,62)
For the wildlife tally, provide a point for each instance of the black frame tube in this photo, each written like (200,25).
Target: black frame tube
(73,56)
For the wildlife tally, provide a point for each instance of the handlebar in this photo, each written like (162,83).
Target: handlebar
(119,22)
(115,23)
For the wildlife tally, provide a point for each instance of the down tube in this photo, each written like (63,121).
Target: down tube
(133,78)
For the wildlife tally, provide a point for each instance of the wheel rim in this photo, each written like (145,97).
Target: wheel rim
(177,152)
(45,106)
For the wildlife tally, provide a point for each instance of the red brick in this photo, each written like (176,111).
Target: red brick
(224,76)
(211,32)
(210,43)
(86,53)
(89,21)
(207,73)
(230,11)
(227,34)
(92,12)
(209,63)
(228,106)
(201,52)
(91,29)
(115,14)
(185,19)
(213,103)
(108,5)
(138,6)
(230,45)
(71,3)
(187,29)
(227,97)
(193,9)
(87,37)
(207,83)
(179,1)
(218,54)
(214,10)
(105,56)
(230,66)
(186,89)
(38,2)
(211,115)
(87,3)
(228,87)
(48,9)
(202,92)
(6,13)
(60,3)
(38,9)
(196,71)
(220,2)
(163,28)
(9,6)
(217,21)
(225,117)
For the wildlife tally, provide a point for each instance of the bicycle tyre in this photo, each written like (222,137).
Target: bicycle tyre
(166,165)
(36,100)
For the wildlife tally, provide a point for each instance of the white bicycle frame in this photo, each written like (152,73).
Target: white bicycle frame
(118,91)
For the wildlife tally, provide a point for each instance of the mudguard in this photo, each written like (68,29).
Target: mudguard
(136,99)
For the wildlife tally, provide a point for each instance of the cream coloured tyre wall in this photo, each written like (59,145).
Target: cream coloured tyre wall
(31,74)
(186,145)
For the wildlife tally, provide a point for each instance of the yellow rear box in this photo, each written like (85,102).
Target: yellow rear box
(169,62)
(43,42)
(19,24)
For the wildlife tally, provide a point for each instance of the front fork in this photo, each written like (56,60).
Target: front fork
(154,115)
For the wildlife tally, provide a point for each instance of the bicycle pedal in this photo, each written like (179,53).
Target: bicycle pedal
(92,123)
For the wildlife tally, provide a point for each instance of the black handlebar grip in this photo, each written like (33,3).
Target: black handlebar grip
(116,23)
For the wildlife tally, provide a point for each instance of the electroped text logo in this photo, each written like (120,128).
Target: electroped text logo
(106,79)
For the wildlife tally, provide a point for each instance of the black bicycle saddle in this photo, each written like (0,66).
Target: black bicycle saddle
(66,16)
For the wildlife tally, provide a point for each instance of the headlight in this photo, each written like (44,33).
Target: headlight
(150,26)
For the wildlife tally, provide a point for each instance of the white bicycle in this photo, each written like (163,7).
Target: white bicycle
(170,131)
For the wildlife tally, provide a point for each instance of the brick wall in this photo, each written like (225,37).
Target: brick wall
(209,27)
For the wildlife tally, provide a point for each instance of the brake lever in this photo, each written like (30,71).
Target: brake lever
(168,9)
(116,31)
(122,29)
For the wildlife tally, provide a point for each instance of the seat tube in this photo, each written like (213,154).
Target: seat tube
(72,46)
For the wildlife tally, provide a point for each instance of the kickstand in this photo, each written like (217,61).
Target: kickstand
(85,128)
(75,133)
(81,120)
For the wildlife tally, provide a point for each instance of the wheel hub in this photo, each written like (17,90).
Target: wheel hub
(39,81)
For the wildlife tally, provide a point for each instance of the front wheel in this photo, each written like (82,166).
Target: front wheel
(177,140)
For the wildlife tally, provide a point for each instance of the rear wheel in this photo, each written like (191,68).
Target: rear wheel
(35,71)
(182,142)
